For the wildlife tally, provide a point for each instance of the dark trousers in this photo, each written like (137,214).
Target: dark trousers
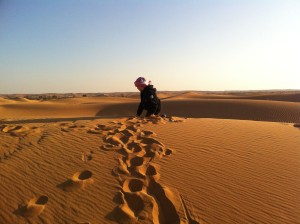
(155,110)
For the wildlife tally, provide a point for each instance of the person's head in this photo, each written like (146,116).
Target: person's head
(140,83)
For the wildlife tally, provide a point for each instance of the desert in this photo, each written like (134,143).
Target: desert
(230,157)
(149,112)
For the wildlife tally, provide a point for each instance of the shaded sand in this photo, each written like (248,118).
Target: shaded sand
(60,163)
(72,107)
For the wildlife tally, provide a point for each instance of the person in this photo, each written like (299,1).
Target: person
(149,100)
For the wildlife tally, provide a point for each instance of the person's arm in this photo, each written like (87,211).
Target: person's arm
(139,110)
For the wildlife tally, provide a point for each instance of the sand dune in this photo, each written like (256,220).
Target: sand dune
(275,96)
(289,97)
(70,161)
(184,105)
(5,101)
(218,108)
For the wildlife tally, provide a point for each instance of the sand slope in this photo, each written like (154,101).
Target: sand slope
(44,170)
(234,171)
(84,171)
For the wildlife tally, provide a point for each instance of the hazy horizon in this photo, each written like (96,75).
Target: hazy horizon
(137,92)
(103,46)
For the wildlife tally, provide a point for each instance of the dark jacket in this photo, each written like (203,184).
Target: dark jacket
(149,101)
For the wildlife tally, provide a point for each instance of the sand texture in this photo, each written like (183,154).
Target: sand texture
(214,159)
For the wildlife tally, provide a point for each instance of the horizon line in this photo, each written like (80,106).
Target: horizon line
(120,92)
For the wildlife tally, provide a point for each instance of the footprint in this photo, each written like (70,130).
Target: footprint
(148,133)
(34,207)
(94,131)
(150,171)
(123,164)
(116,139)
(21,131)
(109,147)
(135,208)
(63,124)
(168,152)
(134,147)
(148,141)
(78,181)
(134,128)
(117,122)
(136,161)
(121,169)
(135,203)
(103,127)
(73,126)
(157,148)
(2,127)
(133,185)
(64,129)
(154,151)
(124,136)
(125,131)
(176,119)
(87,156)
(166,200)
(17,131)
(100,129)
(133,120)
(10,128)
(154,120)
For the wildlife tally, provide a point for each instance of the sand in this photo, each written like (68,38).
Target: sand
(218,159)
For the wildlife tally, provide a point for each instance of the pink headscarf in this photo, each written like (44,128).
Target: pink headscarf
(141,82)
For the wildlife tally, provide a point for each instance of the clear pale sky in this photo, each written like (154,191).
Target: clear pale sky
(103,46)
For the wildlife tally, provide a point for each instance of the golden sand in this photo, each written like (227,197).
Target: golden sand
(219,159)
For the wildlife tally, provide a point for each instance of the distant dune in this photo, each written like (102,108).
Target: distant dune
(216,158)
(4,101)
(189,104)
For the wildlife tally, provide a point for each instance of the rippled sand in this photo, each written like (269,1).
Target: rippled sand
(219,159)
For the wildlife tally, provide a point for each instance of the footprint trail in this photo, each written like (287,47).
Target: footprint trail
(141,197)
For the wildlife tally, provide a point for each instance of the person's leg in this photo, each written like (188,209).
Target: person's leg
(155,109)
(158,109)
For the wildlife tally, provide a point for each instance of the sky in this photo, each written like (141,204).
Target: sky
(62,46)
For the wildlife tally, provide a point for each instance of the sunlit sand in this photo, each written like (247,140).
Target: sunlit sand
(231,158)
